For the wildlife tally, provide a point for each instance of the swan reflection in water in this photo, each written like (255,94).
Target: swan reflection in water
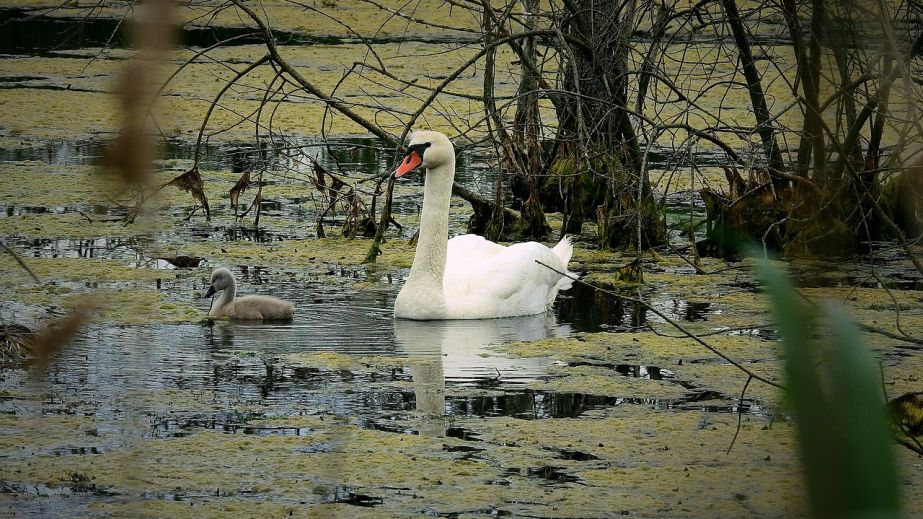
(458,351)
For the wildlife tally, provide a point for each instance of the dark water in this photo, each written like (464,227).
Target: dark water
(256,364)
(882,267)
(252,365)
(35,33)
(41,31)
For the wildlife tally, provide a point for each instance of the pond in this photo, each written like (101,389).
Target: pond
(139,379)
(597,408)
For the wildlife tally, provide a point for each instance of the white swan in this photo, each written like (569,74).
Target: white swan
(469,277)
(247,307)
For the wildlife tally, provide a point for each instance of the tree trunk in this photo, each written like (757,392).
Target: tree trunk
(764,125)
(527,132)
(598,171)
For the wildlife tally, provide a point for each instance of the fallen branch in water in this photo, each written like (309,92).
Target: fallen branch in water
(719,332)
(672,323)
(20,261)
(895,336)
(875,329)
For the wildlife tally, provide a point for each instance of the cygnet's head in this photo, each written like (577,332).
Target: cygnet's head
(427,149)
(221,279)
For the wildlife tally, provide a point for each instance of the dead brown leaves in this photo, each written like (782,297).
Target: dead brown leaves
(191,182)
(239,188)
(333,189)
(15,342)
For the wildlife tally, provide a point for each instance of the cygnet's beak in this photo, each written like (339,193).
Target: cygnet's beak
(210,292)
(410,162)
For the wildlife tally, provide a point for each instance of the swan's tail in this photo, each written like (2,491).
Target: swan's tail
(563,250)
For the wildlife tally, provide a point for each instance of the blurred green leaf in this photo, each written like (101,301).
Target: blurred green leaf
(841,418)
(869,469)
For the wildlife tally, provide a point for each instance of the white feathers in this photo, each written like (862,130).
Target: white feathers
(469,277)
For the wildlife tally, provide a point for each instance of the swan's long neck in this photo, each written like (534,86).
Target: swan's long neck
(429,260)
(227,295)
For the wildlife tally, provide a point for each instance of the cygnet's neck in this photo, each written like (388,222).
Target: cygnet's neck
(227,295)
(429,260)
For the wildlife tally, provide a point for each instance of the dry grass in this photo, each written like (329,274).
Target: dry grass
(15,343)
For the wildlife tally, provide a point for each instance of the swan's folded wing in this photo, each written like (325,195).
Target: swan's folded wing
(471,248)
(262,307)
(509,282)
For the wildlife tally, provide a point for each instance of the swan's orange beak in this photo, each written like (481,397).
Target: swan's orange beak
(411,162)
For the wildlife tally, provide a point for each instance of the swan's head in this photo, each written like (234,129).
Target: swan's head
(427,149)
(221,279)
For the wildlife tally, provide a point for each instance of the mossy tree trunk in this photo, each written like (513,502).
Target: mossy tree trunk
(519,149)
(598,170)
(527,132)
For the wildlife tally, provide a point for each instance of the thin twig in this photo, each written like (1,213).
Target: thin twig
(740,414)
(214,103)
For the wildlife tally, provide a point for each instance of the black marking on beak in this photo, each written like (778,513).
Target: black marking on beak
(419,148)
(210,292)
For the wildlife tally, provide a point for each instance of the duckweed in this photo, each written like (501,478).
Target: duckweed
(650,451)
